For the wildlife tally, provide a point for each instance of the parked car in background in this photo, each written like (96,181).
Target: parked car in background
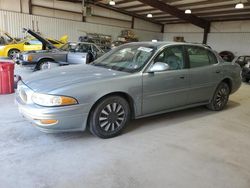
(30,43)
(69,53)
(132,81)
(244,62)
(6,38)
(227,56)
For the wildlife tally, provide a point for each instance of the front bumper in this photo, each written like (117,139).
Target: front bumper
(69,118)
(25,63)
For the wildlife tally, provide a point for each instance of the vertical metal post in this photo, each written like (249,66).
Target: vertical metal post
(133,22)
(205,34)
(30,7)
(83,9)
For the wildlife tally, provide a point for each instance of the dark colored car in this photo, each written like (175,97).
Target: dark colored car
(244,62)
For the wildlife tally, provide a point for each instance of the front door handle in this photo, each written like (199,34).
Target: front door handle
(182,77)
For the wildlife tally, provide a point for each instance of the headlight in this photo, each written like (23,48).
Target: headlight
(52,100)
(27,58)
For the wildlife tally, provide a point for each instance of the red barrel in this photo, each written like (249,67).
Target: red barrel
(6,77)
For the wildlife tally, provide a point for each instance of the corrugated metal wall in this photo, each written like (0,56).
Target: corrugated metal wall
(13,22)
(231,36)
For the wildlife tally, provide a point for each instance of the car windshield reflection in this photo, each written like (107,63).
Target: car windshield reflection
(127,58)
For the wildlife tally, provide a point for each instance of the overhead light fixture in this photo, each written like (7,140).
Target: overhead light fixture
(188,11)
(149,16)
(239,5)
(112,2)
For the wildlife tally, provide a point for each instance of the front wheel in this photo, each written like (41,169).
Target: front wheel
(109,117)
(12,53)
(220,98)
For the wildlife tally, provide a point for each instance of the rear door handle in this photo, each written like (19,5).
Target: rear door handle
(182,77)
(218,71)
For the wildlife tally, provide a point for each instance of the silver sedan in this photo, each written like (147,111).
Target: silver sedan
(132,81)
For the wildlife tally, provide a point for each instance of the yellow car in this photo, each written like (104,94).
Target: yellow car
(9,50)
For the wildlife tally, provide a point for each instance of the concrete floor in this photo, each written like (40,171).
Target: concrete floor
(191,148)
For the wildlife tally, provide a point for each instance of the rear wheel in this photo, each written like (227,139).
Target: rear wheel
(12,53)
(220,97)
(109,117)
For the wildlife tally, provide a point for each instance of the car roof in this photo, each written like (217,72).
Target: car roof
(81,42)
(165,43)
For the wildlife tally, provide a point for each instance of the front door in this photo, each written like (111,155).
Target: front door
(168,89)
(79,55)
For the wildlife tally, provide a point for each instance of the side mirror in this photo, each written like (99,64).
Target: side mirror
(27,43)
(158,67)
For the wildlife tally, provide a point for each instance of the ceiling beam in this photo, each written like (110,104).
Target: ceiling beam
(145,10)
(133,6)
(177,13)
(229,17)
(206,3)
(215,12)
(217,7)
(120,10)
(124,2)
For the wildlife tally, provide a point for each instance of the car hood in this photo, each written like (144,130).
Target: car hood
(41,51)
(44,41)
(50,80)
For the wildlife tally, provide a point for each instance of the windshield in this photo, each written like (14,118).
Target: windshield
(76,47)
(68,46)
(128,58)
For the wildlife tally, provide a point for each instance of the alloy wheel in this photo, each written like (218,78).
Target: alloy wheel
(111,117)
(12,53)
(45,66)
(221,97)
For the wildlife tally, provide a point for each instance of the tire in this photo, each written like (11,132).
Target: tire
(47,64)
(109,117)
(12,53)
(220,98)
(89,58)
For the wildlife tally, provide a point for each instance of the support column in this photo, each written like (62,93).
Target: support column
(205,34)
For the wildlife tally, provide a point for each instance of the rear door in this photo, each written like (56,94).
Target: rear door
(205,74)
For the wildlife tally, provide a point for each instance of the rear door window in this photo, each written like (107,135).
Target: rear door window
(212,57)
(198,56)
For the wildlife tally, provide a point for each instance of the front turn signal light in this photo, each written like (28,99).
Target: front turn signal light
(48,121)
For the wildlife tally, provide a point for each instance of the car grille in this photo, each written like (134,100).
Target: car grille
(24,93)
(20,57)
